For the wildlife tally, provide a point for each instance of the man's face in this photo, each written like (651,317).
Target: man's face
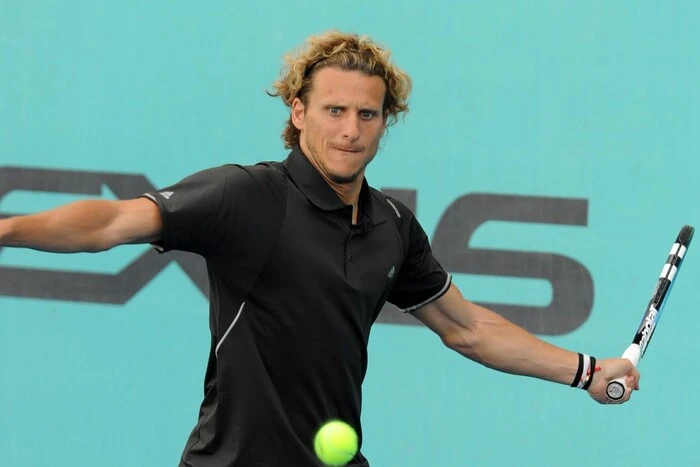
(341,123)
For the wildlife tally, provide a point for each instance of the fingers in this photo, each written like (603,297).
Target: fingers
(632,382)
(633,379)
(609,370)
(628,393)
(632,375)
(626,397)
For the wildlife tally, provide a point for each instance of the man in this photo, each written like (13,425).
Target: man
(302,255)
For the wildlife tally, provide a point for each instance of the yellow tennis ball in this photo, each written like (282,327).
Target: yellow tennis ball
(335,443)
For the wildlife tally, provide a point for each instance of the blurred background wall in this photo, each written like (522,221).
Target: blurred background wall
(550,153)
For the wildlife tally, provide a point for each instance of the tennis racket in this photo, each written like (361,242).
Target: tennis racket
(616,388)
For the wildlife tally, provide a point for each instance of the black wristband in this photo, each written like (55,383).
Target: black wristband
(577,378)
(590,375)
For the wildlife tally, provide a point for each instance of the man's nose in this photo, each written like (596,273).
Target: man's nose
(351,127)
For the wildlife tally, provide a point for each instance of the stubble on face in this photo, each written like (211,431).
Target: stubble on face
(340,178)
(341,123)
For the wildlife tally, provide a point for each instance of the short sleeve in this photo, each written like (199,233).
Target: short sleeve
(421,278)
(202,210)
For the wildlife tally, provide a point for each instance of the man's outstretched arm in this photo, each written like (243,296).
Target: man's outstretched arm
(487,338)
(84,226)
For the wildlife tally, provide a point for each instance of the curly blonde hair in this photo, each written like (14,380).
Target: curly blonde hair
(349,52)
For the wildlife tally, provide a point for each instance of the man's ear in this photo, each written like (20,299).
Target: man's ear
(386,116)
(298,113)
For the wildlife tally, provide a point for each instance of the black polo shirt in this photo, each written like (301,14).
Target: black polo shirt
(295,288)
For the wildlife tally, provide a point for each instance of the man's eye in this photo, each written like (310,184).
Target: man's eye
(367,114)
(334,111)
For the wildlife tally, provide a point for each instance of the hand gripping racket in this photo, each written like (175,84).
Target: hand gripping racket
(616,388)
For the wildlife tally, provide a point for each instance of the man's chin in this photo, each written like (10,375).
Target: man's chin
(343,179)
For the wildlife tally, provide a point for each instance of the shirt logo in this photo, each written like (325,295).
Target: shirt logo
(166,194)
(392,271)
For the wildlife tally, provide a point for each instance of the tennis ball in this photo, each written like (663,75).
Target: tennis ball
(335,443)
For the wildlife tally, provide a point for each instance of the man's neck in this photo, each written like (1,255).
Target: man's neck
(349,193)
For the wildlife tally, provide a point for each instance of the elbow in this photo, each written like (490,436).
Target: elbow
(103,243)
(463,341)
(99,241)
(453,340)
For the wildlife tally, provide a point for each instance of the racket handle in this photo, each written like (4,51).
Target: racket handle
(618,387)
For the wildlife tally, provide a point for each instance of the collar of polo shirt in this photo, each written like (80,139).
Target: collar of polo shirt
(314,187)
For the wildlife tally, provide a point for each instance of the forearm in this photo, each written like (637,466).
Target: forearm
(486,337)
(497,343)
(76,227)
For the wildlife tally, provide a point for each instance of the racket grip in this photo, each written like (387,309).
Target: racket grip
(617,387)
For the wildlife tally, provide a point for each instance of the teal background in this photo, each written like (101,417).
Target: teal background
(597,100)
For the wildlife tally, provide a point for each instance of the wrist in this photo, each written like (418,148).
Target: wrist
(585,371)
(4,231)
(7,227)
